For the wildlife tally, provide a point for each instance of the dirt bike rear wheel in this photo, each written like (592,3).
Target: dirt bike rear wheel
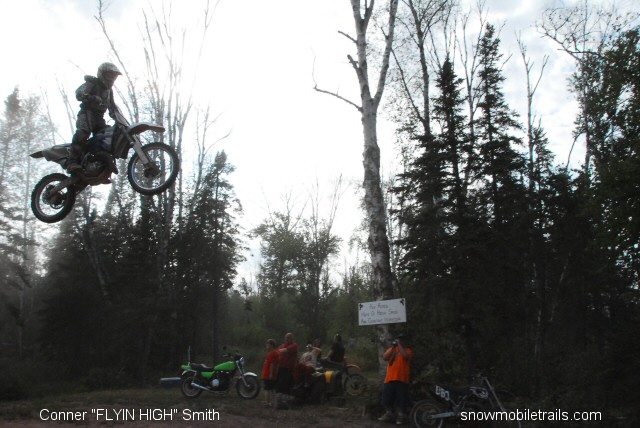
(250,390)
(51,208)
(188,390)
(421,411)
(158,177)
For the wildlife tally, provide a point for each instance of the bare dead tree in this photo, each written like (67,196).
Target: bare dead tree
(469,57)
(423,15)
(535,234)
(321,243)
(378,241)
(204,125)
(166,96)
(583,31)
(532,87)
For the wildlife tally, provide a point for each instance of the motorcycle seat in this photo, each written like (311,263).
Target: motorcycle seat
(462,390)
(201,367)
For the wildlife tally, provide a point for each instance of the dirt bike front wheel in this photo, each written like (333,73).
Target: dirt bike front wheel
(157,176)
(422,412)
(250,390)
(355,384)
(48,206)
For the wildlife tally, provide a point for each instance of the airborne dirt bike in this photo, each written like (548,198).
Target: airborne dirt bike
(220,378)
(151,170)
(478,404)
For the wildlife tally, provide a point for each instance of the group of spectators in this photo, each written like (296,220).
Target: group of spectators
(282,367)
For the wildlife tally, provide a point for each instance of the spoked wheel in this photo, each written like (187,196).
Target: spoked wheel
(421,414)
(48,206)
(157,176)
(250,390)
(508,401)
(188,390)
(355,384)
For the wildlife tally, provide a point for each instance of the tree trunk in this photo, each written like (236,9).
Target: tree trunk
(374,200)
(378,241)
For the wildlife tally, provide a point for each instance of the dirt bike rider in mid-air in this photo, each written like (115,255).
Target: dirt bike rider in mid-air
(96,97)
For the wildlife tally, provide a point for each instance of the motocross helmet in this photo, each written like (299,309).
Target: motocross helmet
(108,73)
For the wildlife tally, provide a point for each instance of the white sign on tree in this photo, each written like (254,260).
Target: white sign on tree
(382,312)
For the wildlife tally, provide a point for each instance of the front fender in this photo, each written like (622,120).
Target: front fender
(140,127)
(247,374)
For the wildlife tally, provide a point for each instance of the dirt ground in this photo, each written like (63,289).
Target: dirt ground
(275,419)
(160,408)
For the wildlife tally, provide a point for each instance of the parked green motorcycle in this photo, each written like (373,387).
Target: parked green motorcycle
(220,378)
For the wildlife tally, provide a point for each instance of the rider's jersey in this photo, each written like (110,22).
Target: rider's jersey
(95,97)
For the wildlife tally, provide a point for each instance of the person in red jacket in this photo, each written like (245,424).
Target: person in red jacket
(270,373)
(288,357)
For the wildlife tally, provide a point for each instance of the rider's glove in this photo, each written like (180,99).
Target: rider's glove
(96,101)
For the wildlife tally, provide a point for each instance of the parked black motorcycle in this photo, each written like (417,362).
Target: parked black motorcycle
(478,404)
(152,169)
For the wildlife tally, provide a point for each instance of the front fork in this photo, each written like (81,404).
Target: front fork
(150,167)
(242,379)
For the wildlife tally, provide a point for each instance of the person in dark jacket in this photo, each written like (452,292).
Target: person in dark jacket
(96,97)
(335,357)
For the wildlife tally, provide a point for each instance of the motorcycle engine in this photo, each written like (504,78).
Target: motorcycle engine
(479,392)
(93,168)
(220,381)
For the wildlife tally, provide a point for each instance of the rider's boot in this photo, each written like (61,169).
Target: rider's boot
(73,163)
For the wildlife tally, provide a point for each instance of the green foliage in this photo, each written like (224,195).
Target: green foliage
(527,271)
(522,269)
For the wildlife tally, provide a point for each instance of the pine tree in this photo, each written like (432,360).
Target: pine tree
(209,252)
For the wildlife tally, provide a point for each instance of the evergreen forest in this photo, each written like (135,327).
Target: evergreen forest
(513,262)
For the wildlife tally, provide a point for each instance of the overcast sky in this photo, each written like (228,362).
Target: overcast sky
(261,60)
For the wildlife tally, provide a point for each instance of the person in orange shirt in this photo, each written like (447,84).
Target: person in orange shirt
(395,393)
(270,372)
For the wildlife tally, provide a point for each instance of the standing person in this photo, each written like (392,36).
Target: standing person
(270,372)
(395,393)
(288,357)
(96,97)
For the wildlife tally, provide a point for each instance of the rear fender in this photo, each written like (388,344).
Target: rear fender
(58,153)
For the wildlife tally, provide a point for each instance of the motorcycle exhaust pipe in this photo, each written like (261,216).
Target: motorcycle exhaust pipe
(204,388)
